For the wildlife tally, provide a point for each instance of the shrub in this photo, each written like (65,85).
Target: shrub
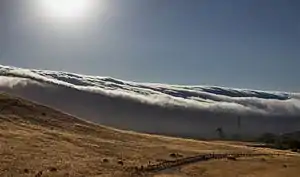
(173,155)
(26,170)
(294,150)
(52,169)
(231,158)
(120,162)
(39,174)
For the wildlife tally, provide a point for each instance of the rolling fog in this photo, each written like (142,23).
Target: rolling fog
(186,111)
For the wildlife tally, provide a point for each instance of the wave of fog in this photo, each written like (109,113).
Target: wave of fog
(178,109)
(150,95)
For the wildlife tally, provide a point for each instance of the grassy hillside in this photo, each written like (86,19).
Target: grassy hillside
(38,141)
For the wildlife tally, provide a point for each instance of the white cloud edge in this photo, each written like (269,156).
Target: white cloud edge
(242,105)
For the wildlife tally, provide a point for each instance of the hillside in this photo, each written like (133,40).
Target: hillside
(36,140)
(177,110)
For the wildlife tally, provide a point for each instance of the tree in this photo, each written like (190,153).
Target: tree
(220,132)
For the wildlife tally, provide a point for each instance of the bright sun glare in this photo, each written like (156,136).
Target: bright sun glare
(65,9)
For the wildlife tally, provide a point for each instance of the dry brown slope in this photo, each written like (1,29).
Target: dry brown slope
(36,138)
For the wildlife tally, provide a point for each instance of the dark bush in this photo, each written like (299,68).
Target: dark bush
(52,169)
(173,155)
(294,150)
(231,158)
(26,170)
(39,174)
(282,142)
(120,162)
(268,138)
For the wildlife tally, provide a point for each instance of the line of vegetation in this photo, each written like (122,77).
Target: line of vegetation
(289,141)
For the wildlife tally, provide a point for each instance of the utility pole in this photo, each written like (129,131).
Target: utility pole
(239,123)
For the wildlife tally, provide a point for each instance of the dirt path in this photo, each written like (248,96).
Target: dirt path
(170,166)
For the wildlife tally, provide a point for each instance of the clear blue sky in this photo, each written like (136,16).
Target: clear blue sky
(234,43)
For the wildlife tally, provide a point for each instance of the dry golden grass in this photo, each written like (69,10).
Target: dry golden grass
(35,138)
(259,166)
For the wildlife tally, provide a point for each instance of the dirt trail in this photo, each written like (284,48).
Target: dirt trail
(171,165)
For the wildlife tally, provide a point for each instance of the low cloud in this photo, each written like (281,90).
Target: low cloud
(213,99)
(11,82)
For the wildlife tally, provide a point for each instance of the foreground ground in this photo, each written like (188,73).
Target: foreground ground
(39,141)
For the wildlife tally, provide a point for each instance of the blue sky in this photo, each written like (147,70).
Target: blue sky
(234,43)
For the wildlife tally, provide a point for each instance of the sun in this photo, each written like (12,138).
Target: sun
(65,9)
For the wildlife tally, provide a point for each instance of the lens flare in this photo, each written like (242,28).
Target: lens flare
(70,10)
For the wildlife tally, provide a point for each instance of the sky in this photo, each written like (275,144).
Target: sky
(233,43)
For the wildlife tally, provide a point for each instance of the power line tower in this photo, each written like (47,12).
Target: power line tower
(239,127)
(239,124)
